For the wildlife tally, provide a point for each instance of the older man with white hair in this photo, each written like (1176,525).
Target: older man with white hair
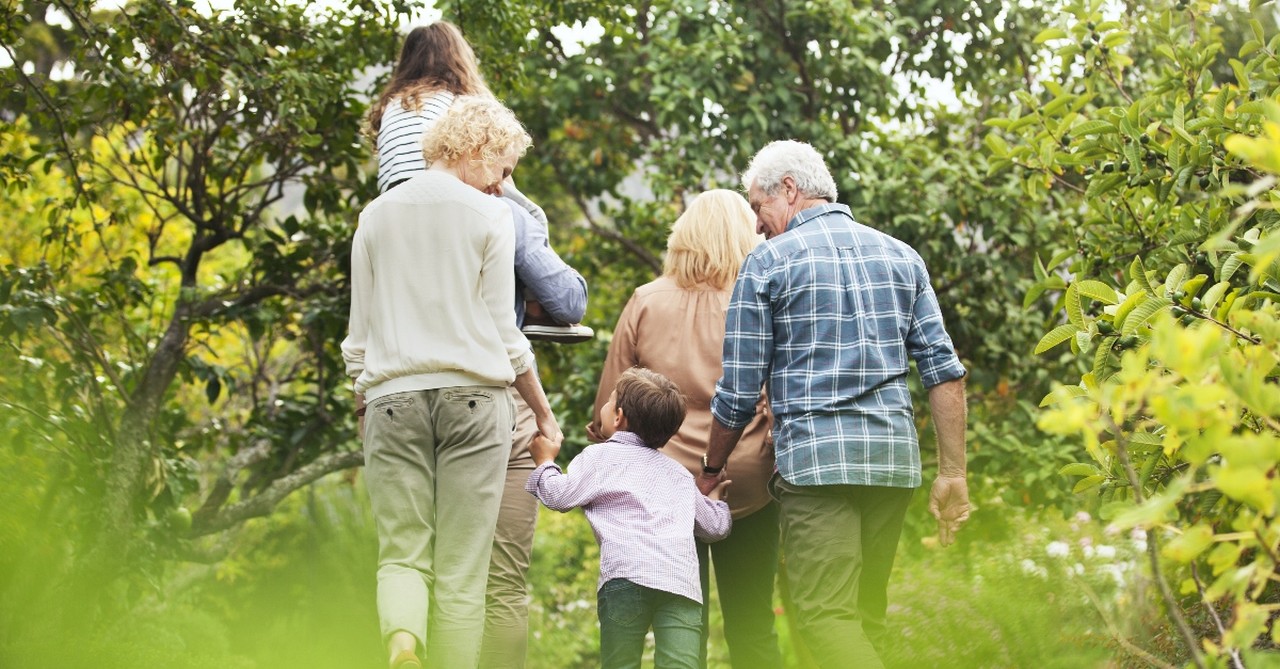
(830,312)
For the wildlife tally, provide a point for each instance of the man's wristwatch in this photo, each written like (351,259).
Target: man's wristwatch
(708,469)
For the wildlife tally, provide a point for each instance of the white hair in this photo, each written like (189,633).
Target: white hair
(789,158)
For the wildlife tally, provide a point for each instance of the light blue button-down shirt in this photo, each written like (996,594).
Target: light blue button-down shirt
(829,313)
(540,272)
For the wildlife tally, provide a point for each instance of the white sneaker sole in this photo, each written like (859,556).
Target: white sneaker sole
(561,334)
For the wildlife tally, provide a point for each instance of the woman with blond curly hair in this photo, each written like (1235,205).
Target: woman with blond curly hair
(433,346)
(675,326)
(436,66)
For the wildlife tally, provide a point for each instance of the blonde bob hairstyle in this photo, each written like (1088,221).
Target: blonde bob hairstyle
(710,240)
(475,128)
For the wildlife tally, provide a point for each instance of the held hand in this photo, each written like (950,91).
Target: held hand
(707,482)
(361,407)
(949,503)
(593,434)
(549,428)
(720,492)
(544,450)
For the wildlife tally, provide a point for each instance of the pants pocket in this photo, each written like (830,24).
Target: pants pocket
(687,612)
(475,400)
(621,602)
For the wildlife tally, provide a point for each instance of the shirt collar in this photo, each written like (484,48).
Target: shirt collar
(819,211)
(628,438)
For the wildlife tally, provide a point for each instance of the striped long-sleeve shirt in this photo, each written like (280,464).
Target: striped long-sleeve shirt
(400,137)
(644,508)
(831,312)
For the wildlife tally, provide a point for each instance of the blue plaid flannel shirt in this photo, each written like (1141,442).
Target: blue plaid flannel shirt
(829,312)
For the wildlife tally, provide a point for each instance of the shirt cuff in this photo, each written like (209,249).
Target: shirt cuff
(933,375)
(523,363)
(725,414)
(531,486)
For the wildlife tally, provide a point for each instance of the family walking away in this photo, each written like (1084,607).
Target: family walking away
(452,274)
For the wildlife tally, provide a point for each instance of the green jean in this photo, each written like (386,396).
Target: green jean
(628,611)
(434,465)
(840,542)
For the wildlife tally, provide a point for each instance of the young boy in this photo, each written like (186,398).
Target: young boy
(645,511)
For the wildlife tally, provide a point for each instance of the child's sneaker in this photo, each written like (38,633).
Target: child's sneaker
(538,324)
(561,333)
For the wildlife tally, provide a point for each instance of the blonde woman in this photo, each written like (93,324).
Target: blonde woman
(436,65)
(433,347)
(675,326)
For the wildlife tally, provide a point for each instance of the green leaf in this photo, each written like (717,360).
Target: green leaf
(1137,270)
(1253,107)
(1032,295)
(1102,184)
(1174,280)
(1075,313)
(1056,336)
(1094,128)
(212,389)
(1242,75)
(1097,290)
(1156,509)
(1144,441)
(1101,355)
(1215,293)
(999,147)
(1229,266)
(1130,303)
(1144,312)
(1115,38)
(1048,34)
(1088,483)
(1191,543)
(1062,393)
(1079,469)
(1059,257)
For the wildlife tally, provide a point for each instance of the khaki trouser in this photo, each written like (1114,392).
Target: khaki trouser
(434,462)
(506,625)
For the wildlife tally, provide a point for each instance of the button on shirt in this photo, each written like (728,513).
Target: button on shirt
(644,508)
(830,312)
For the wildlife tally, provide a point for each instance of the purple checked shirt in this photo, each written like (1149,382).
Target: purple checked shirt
(644,508)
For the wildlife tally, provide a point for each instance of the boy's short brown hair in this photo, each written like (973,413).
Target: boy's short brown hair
(653,405)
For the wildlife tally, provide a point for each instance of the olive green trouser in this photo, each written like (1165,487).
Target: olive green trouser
(506,622)
(434,462)
(840,542)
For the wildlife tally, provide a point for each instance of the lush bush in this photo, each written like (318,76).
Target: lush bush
(1163,163)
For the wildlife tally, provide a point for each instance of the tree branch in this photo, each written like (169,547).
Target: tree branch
(265,502)
(636,249)
(1153,550)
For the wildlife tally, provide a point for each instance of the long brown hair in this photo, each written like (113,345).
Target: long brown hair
(434,58)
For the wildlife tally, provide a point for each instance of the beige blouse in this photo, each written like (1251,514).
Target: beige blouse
(680,334)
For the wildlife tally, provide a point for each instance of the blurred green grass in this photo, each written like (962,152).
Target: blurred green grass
(298,592)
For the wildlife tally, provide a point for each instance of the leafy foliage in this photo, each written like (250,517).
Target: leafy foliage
(183,309)
(1167,279)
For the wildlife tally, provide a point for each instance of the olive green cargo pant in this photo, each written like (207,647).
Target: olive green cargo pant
(840,541)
